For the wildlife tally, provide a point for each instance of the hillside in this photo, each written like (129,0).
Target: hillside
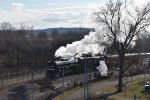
(63,30)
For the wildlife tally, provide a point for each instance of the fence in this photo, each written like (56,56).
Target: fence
(60,89)
(20,77)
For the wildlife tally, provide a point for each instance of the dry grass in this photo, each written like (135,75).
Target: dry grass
(135,88)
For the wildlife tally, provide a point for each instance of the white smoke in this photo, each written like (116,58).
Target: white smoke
(102,68)
(89,44)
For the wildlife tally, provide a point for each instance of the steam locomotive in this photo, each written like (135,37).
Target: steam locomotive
(77,66)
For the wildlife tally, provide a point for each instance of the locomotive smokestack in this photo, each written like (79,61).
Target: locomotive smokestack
(75,55)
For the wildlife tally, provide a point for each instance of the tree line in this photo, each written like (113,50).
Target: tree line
(21,47)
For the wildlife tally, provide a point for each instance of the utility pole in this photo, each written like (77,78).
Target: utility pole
(63,83)
(145,60)
(91,70)
(85,80)
(32,84)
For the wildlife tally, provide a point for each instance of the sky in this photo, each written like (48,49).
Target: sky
(49,13)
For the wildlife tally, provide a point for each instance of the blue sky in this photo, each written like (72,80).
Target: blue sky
(49,13)
(44,3)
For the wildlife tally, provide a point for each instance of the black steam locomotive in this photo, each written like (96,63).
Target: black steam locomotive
(73,67)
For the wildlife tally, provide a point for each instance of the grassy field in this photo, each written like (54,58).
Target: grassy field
(130,90)
(66,93)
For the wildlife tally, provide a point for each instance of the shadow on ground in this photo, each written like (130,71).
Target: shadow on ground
(104,96)
(23,92)
(18,93)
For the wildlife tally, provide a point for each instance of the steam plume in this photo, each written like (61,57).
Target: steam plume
(102,68)
(87,45)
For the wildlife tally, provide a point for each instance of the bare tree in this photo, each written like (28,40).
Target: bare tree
(121,21)
(42,35)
